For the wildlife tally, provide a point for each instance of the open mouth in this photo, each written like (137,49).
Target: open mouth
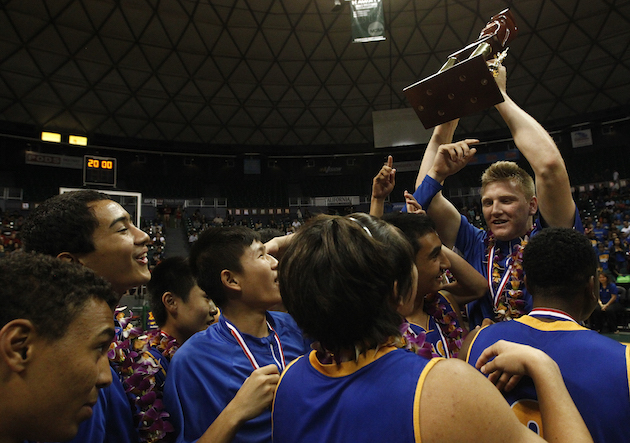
(143,259)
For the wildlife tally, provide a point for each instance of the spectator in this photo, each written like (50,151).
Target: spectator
(618,254)
(608,305)
(603,256)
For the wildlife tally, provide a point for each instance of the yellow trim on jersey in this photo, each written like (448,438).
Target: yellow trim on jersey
(628,363)
(273,402)
(558,325)
(416,399)
(348,367)
(473,342)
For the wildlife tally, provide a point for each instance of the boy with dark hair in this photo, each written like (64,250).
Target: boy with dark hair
(436,312)
(180,309)
(88,228)
(234,267)
(560,266)
(55,329)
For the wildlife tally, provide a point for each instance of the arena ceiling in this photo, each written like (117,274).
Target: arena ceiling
(285,72)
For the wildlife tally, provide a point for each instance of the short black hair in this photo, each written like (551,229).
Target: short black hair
(338,284)
(217,249)
(557,262)
(173,275)
(267,234)
(399,249)
(63,223)
(47,291)
(413,226)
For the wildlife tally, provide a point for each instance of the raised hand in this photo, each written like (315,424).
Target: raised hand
(451,158)
(413,207)
(383,183)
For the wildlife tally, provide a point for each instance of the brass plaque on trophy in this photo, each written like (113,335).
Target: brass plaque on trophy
(465,87)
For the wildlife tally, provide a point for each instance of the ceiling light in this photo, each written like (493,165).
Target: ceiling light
(77,140)
(51,137)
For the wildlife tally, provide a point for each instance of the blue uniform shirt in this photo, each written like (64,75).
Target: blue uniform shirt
(210,367)
(596,371)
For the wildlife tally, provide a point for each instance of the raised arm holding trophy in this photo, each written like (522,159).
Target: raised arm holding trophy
(464,87)
(515,207)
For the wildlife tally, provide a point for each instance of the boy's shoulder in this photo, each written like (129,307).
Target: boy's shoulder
(282,320)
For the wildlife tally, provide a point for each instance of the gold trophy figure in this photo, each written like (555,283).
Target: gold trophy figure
(465,87)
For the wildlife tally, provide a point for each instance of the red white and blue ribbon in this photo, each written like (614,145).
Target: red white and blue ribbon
(550,312)
(281,363)
(506,277)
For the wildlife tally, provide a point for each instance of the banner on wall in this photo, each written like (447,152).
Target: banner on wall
(368,21)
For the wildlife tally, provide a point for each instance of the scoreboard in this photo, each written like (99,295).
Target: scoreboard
(99,170)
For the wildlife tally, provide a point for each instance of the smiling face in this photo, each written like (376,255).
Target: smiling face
(431,263)
(120,254)
(67,372)
(507,212)
(259,279)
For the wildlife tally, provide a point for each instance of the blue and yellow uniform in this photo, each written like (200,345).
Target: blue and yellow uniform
(376,398)
(596,371)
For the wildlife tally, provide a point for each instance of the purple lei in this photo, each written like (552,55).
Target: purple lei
(415,343)
(407,340)
(446,319)
(130,354)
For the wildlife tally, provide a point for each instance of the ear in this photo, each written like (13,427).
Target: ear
(170,302)
(591,296)
(68,257)
(230,280)
(592,289)
(16,343)
(533,205)
(395,296)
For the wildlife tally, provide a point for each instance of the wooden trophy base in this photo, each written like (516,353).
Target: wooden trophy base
(466,88)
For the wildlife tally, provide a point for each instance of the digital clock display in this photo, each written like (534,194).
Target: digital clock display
(99,170)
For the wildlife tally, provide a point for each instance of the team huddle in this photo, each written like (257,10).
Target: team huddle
(349,330)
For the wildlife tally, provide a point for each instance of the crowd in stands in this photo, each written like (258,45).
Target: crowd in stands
(10,240)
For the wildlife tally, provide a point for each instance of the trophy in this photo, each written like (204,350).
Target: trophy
(462,88)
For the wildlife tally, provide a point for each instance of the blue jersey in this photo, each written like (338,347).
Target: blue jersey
(596,371)
(209,368)
(375,399)
(605,293)
(472,242)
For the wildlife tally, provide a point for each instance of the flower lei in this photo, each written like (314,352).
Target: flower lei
(130,355)
(510,303)
(446,319)
(407,340)
(414,342)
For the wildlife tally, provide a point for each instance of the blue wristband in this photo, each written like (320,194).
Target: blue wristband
(425,192)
